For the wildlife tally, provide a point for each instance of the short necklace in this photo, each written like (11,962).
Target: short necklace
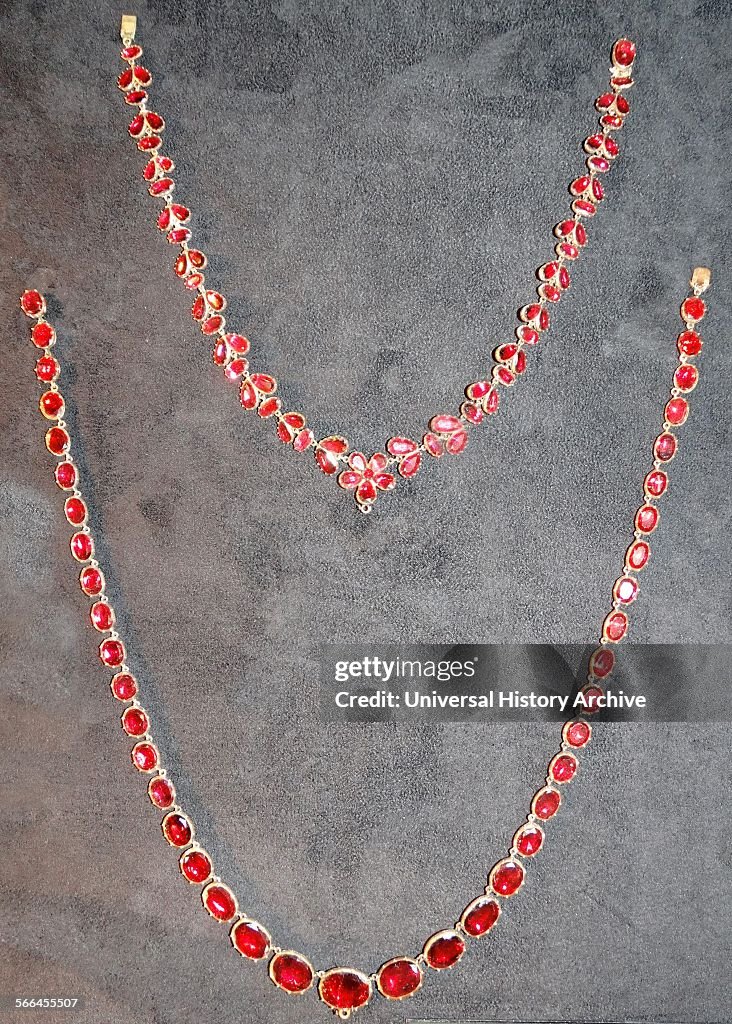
(345,989)
(368,476)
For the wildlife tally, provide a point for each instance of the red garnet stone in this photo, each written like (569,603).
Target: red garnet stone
(344,989)
(507,877)
(444,949)
(399,978)
(219,901)
(195,866)
(480,916)
(250,939)
(161,792)
(546,803)
(291,972)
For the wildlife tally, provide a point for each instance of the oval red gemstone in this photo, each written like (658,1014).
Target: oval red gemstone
(161,187)
(546,803)
(269,407)
(445,424)
(409,466)
(693,309)
(303,440)
(655,483)
(51,404)
(178,235)
(43,335)
(646,518)
(75,511)
(177,829)
(615,626)
(145,759)
(136,125)
(602,662)
(624,53)
(212,325)
(136,97)
(57,441)
(135,722)
(250,939)
(47,369)
(598,163)
(32,302)
(637,555)
(664,447)
(65,474)
(507,877)
(237,343)
(220,353)
(480,916)
(563,768)
(597,189)
(577,734)
(625,589)
(219,901)
(102,616)
(688,343)
(611,146)
(528,840)
(91,580)
(529,336)
(676,411)
(236,369)
(82,547)
(291,972)
(161,792)
(195,866)
(580,232)
(344,989)
(563,278)
(444,949)
(686,377)
(590,697)
(112,652)
(399,978)
(131,52)
(123,686)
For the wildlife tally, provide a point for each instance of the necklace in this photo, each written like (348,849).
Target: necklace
(368,476)
(345,989)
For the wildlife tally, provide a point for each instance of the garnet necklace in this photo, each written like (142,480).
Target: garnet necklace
(345,989)
(367,476)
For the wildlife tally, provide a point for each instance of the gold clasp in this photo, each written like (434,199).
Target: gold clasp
(128,28)
(701,279)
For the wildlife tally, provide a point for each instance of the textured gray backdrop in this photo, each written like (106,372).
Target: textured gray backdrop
(375,184)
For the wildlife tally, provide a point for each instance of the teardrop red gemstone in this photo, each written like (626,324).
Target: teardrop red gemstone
(58,441)
(646,518)
(82,547)
(563,767)
(135,722)
(291,972)
(112,653)
(47,369)
(676,411)
(458,442)
(577,734)
(177,829)
(479,917)
(399,978)
(344,989)
(75,511)
(195,866)
(409,466)
(444,949)
(145,758)
(602,662)
(615,626)
(528,840)
(124,686)
(43,335)
(546,803)
(102,616)
(693,309)
(688,343)
(250,939)
(507,877)
(91,581)
(161,792)
(664,447)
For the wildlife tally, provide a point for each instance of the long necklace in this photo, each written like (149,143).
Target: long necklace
(345,989)
(368,476)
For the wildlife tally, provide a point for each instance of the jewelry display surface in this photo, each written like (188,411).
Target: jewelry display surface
(350,117)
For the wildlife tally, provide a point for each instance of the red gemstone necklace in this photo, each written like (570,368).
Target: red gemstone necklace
(368,476)
(345,989)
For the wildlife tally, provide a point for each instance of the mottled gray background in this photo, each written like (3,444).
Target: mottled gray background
(374,184)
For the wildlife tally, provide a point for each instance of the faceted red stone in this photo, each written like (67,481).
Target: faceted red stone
(156,122)
(177,829)
(637,555)
(504,353)
(688,343)
(693,309)
(623,53)
(248,398)
(445,424)
(303,440)
(124,81)
(32,303)
(236,369)
(528,840)
(145,759)
(457,443)
(162,187)
(57,441)
(237,343)
(112,652)
(433,445)
(444,949)
(123,686)
(47,369)
(686,377)
(65,474)
(602,662)
(566,249)
(550,292)
(491,402)
(135,722)
(178,235)
(291,972)
(399,446)
(622,104)
(646,518)
(82,547)
(161,792)
(597,189)
(198,308)
(344,989)
(131,52)
(615,626)
(504,376)
(136,125)
(598,163)
(136,97)
(250,939)
(595,142)
(91,580)
(75,511)
(563,768)
(590,697)
(621,82)
(196,867)
(480,916)
(577,734)
(605,101)
(409,466)
(507,877)
(585,207)
(220,353)
(625,589)
(664,447)
(563,278)
(546,803)
(520,364)
(102,616)
(194,281)
(528,335)
(611,146)
(212,325)
(399,978)
(269,407)
(580,233)
(149,143)
(676,411)
(43,335)
(655,483)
